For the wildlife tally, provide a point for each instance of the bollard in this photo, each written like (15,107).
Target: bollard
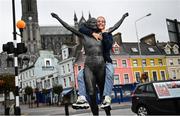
(7,111)
(66,109)
(66,101)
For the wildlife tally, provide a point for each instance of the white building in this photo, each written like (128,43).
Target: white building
(43,74)
(66,70)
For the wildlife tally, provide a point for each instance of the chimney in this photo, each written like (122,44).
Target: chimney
(117,37)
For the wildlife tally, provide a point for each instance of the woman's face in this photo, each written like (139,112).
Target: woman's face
(101,23)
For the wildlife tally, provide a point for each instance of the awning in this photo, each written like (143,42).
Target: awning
(66,91)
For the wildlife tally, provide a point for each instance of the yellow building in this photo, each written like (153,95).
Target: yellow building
(153,66)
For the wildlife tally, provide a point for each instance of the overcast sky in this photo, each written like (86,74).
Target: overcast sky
(112,10)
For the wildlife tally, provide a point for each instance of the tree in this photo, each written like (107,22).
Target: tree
(144,77)
(57,89)
(7,84)
(29,92)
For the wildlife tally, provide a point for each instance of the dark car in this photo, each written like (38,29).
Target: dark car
(160,97)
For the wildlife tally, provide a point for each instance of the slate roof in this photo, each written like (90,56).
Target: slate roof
(162,45)
(54,30)
(144,48)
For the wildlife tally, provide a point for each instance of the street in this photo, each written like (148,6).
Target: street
(117,109)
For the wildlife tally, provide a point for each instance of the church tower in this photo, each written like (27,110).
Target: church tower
(31,35)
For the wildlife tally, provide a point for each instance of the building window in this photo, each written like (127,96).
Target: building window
(69,81)
(124,64)
(35,50)
(137,76)
(154,73)
(45,84)
(152,62)
(134,49)
(69,70)
(160,62)
(163,75)
(29,5)
(175,50)
(116,80)
(170,61)
(116,50)
(47,63)
(114,63)
(56,81)
(151,49)
(64,53)
(63,70)
(53,81)
(178,61)
(144,62)
(147,74)
(173,74)
(167,50)
(135,63)
(48,83)
(64,82)
(126,78)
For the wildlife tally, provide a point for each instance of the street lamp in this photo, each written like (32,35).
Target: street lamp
(138,40)
(20,25)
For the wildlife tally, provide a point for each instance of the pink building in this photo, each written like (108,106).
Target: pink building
(123,71)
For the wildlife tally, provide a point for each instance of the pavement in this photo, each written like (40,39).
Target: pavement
(60,110)
(114,106)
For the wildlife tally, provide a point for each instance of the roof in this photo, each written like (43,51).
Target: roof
(54,30)
(144,48)
(162,45)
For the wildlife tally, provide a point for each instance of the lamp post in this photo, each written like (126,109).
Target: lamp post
(20,25)
(138,40)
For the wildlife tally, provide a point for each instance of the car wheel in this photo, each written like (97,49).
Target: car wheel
(142,111)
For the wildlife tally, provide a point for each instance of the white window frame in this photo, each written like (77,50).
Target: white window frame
(115,78)
(125,79)
(136,76)
(153,75)
(124,65)
(135,63)
(151,49)
(164,74)
(152,62)
(115,64)
(45,62)
(134,49)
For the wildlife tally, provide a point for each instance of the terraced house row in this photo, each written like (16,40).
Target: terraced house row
(159,60)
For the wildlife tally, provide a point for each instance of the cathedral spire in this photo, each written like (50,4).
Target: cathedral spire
(75,17)
(89,15)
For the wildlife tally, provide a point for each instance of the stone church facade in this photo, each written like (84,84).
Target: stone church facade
(38,38)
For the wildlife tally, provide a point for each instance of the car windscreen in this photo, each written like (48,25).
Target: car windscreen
(169,89)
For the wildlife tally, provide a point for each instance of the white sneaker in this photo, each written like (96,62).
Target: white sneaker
(81,103)
(106,103)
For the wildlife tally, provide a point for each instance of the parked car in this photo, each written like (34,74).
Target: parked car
(160,97)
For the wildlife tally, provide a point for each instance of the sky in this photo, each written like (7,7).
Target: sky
(112,10)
